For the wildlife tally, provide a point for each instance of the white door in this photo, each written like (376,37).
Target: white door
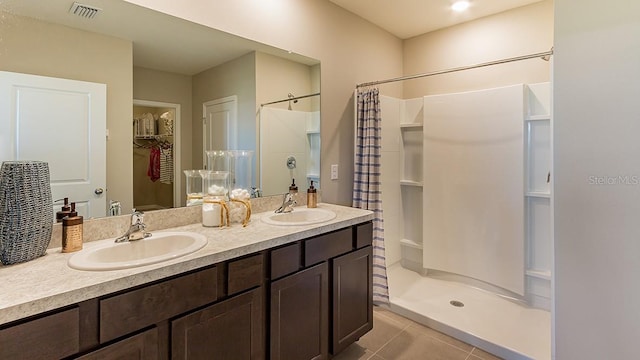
(62,122)
(220,125)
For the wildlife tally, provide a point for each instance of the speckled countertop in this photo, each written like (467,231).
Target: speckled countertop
(48,283)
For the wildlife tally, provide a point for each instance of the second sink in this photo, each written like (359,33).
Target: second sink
(300,216)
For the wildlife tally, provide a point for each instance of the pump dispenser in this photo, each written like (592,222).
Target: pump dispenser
(312,196)
(65,211)
(293,190)
(72,231)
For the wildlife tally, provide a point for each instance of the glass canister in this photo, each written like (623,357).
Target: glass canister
(194,187)
(214,207)
(241,185)
(215,183)
(218,160)
(241,177)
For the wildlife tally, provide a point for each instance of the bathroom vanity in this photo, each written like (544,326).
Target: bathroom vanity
(270,292)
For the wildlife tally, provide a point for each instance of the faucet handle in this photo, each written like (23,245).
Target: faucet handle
(137,218)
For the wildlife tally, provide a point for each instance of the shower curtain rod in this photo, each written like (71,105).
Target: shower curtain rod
(543,55)
(290,99)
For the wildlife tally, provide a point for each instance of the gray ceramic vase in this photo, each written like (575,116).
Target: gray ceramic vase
(26,212)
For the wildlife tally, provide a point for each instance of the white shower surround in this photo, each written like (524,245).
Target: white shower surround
(473,208)
(402,186)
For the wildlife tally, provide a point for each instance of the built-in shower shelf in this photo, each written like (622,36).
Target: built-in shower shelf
(538,118)
(538,194)
(411,126)
(411,243)
(411,183)
(540,274)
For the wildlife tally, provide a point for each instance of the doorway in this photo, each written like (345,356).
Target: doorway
(156,155)
(220,125)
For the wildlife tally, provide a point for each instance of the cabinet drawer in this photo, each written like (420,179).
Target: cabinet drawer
(245,274)
(326,246)
(285,260)
(143,346)
(51,337)
(364,235)
(133,310)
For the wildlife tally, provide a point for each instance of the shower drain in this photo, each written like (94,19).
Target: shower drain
(456,303)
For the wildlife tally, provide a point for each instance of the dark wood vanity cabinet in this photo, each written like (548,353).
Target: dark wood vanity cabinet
(352,298)
(300,315)
(231,329)
(143,346)
(310,299)
(321,309)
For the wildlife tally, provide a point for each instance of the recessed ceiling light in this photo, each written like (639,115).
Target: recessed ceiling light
(460,5)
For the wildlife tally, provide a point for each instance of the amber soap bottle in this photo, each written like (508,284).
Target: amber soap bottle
(72,231)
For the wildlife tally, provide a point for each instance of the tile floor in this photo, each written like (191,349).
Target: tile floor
(395,338)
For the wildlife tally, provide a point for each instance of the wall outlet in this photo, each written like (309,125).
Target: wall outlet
(334,172)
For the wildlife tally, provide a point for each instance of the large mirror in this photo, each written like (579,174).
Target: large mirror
(170,85)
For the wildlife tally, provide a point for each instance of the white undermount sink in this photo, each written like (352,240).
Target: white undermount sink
(161,246)
(300,216)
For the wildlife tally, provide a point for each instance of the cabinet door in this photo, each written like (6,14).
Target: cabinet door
(231,329)
(300,315)
(143,346)
(50,337)
(352,298)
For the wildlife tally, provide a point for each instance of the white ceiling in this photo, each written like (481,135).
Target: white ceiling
(409,18)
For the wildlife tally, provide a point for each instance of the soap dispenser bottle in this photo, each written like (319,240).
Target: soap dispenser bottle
(72,231)
(293,190)
(312,196)
(65,211)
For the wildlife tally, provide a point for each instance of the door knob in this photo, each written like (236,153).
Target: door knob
(98,191)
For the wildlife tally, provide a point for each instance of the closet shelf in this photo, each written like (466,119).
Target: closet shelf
(411,183)
(540,274)
(152,137)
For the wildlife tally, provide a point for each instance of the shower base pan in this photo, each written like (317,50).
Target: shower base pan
(480,318)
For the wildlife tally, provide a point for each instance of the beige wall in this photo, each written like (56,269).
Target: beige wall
(350,49)
(173,88)
(277,77)
(35,47)
(521,31)
(235,77)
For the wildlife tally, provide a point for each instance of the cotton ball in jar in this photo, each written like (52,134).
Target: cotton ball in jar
(217,190)
(240,194)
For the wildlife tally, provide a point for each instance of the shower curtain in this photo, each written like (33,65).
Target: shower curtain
(366,183)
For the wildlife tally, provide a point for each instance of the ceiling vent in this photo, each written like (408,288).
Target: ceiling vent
(85,11)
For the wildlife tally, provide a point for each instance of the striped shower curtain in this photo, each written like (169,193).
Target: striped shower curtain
(366,183)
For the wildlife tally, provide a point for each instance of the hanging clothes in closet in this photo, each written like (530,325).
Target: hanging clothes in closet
(166,164)
(154,163)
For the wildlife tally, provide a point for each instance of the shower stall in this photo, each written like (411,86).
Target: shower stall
(467,210)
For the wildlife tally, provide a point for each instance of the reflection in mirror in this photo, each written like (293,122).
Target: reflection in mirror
(294,154)
(156,59)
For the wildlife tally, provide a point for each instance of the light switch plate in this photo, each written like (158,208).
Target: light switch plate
(334,172)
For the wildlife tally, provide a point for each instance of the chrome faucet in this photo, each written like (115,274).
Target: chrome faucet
(288,202)
(136,230)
